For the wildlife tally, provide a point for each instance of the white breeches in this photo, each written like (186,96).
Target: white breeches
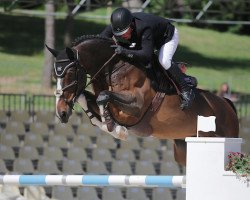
(167,51)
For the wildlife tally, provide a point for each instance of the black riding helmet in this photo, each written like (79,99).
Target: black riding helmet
(121,19)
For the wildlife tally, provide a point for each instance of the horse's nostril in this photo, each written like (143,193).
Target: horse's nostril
(64,114)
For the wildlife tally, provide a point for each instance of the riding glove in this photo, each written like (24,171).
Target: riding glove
(118,49)
(122,51)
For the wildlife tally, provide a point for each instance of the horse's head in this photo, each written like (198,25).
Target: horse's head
(71,80)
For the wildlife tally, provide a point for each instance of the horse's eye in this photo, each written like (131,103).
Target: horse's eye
(71,76)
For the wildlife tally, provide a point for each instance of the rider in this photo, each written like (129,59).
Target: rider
(138,34)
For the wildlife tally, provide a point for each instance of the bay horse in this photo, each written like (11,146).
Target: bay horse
(124,88)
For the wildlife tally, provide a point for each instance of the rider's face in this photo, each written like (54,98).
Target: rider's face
(128,34)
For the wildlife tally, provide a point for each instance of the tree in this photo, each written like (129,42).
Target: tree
(133,5)
(69,23)
(50,41)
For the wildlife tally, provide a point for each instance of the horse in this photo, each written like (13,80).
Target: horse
(123,93)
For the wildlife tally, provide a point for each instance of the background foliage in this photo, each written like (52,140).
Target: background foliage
(216,56)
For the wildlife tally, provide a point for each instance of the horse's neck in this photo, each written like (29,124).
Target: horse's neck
(94,53)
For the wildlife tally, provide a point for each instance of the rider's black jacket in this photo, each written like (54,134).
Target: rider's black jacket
(149,32)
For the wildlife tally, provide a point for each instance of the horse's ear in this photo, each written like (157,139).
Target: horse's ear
(53,51)
(70,53)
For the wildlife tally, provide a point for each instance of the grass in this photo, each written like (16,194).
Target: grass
(20,73)
(215,57)
(21,51)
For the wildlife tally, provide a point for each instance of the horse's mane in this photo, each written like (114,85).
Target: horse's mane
(83,38)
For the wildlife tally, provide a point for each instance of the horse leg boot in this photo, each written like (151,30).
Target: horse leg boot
(102,101)
(187,93)
(108,119)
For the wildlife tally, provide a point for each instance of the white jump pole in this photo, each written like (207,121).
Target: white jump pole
(95,180)
(206,177)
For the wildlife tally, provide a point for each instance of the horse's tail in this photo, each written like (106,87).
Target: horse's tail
(231,104)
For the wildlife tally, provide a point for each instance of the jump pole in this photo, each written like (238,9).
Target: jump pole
(95,180)
(206,177)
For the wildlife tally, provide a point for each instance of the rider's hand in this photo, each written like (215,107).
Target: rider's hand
(118,49)
(122,51)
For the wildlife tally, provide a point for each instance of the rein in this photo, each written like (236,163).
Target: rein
(104,65)
(70,85)
(98,72)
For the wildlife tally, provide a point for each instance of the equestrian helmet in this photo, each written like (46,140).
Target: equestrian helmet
(121,19)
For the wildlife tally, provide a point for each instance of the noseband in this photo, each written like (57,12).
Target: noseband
(60,73)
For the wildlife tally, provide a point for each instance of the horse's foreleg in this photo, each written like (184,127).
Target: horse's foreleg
(92,105)
(119,132)
(123,101)
(89,109)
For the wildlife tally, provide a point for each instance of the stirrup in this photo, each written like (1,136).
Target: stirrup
(187,99)
(108,120)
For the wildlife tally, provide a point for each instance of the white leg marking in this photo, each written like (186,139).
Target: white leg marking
(58,88)
(119,132)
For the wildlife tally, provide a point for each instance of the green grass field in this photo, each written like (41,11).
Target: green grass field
(215,57)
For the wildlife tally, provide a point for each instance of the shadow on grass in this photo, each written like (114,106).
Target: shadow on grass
(184,54)
(25,36)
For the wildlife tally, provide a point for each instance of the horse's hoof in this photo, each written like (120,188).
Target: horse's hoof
(122,133)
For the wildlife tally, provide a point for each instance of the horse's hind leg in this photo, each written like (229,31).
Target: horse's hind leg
(180,151)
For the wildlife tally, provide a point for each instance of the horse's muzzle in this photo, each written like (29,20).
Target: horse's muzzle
(64,117)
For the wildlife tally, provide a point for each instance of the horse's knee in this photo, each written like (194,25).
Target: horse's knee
(103,98)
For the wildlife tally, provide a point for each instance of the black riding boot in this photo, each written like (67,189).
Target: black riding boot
(187,92)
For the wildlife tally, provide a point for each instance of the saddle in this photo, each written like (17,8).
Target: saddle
(160,79)
(160,82)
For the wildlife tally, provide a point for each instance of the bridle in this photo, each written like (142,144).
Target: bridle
(60,73)
(81,85)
